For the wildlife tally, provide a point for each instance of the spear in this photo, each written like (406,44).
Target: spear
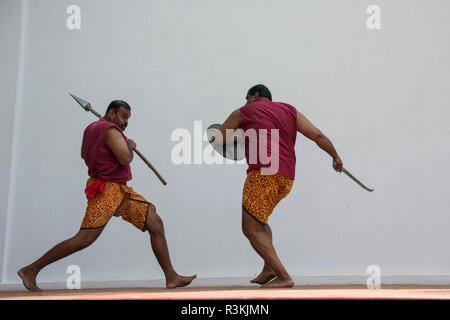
(87,106)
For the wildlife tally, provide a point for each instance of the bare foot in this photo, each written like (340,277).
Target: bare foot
(28,277)
(280,283)
(179,281)
(264,277)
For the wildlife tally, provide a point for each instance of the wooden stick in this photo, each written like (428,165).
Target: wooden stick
(150,166)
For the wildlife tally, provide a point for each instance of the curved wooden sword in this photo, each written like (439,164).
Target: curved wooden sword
(356,180)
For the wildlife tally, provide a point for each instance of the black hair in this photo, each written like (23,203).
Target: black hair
(262,90)
(117,104)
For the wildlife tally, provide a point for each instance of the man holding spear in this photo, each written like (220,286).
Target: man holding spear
(108,153)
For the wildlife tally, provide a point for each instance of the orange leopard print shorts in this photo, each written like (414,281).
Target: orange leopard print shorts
(117,200)
(263,192)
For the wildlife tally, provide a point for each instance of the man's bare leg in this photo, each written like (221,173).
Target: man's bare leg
(267,273)
(159,245)
(260,240)
(81,240)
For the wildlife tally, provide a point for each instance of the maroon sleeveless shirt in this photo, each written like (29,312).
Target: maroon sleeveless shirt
(101,162)
(267,115)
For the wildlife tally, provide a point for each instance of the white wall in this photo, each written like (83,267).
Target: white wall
(10,15)
(381,96)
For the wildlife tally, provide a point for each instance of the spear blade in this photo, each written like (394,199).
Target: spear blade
(85,105)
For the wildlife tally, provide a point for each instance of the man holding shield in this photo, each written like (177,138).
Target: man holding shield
(107,153)
(272,126)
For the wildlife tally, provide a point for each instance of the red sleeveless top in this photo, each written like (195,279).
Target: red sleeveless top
(267,116)
(101,162)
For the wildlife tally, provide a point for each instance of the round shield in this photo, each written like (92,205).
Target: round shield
(234,150)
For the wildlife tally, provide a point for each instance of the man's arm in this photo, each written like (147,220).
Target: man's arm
(122,150)
(233,122)
(305,127)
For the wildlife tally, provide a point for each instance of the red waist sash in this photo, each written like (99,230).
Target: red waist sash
(96,187)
